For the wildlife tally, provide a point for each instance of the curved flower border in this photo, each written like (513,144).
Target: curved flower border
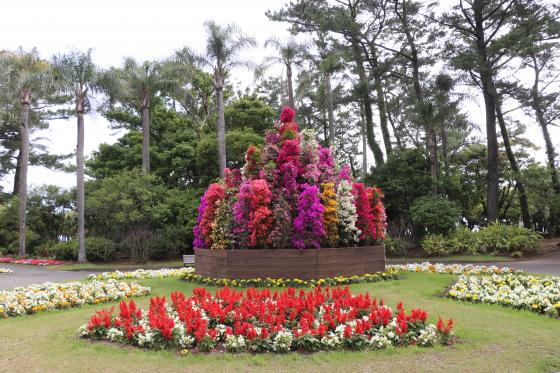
(390,274)
(141,274)
(51,296)
(536,294)
(453,269)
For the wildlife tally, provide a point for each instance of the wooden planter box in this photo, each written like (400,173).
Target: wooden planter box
(290,263)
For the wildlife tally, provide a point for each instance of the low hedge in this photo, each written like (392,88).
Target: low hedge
(97,249)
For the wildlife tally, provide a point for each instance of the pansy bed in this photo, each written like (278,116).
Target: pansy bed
(453,269)
(37,262)
(141,274)
(390,274)
(537,294)
(260,320)
(51,296)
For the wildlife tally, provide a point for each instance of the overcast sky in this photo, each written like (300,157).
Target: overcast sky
(144,30)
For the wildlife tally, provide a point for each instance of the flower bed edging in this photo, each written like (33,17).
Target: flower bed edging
(259,321)
(390,274)
(50,296)
(141,274)
(453,269)
(37,262)
(536,294)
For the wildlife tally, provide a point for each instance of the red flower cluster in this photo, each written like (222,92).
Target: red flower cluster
(36,262)
(363,209)
(319,315)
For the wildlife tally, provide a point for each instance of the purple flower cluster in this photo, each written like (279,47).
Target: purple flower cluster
(308,225)
(326,165)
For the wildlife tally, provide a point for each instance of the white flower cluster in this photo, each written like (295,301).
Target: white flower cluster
(537,294)
(452,269)
(331,341)
(379,342)
(5,270)
(428,336)
(141,274)
(50,296)
(282,341)
(347,215)
(234,343)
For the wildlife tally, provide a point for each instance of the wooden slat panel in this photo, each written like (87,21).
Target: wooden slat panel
(303,264)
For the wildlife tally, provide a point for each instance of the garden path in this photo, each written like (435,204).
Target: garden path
(27,274)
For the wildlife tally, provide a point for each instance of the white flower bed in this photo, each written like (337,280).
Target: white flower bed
(537,294)
(50,296)
(5,270)
(141,274)
(453,269)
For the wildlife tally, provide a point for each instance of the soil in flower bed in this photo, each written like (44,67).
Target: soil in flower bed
(260,320)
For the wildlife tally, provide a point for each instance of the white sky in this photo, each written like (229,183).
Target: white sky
(144,30)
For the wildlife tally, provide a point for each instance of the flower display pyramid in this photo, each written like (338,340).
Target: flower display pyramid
(289,194)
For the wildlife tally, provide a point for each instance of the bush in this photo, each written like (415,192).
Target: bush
(436,244)
(464,241)
(507,239)
(397,246)
(97,249)
(434,215)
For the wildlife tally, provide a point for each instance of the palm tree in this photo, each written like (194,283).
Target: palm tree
(137,85)
(76,75)
(223,45)
(290,54)
(26,79)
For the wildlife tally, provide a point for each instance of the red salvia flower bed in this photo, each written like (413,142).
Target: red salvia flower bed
(261,320)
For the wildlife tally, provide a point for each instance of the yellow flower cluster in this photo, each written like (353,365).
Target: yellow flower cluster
(390,274)
(330,217)
(5,270)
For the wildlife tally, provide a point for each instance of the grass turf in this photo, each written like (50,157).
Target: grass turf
(492,339)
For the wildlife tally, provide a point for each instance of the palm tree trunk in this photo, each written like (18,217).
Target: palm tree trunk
(24,129)
(221,127)
(145,140)
(330,107)
(15,190)
(80,187)
(523,202)
(432,150)
(291,101)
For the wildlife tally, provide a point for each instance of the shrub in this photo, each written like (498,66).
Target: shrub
(434,214)
(507,239)
(436,244)
(464,241)
(97,249)
(397,246)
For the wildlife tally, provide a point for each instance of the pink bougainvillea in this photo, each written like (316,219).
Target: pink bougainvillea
(308,225)
(252,215)
(199,242)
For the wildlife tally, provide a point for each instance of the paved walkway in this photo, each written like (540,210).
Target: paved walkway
(548,264)
(28,274)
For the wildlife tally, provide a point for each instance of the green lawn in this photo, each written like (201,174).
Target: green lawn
(492,338)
